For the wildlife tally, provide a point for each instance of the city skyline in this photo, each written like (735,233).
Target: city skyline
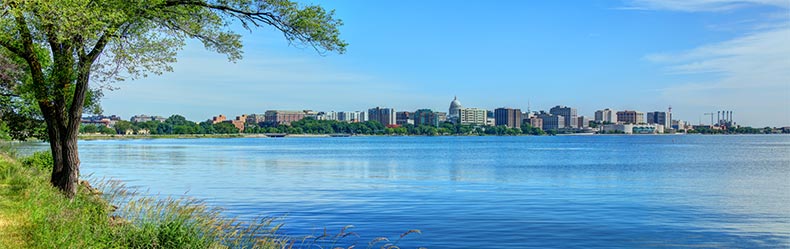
(696,56)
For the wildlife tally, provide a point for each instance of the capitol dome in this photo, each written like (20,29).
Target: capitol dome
(455,105)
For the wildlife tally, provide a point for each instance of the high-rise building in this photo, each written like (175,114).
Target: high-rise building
(426,117)
(659,118)
(402,118)
(606,116)
(351,117)
(385,116)
(582,122)
(550,121)
(508,117)
(568,113)
(455,106)
(536,122)
(472,116)
(630,117)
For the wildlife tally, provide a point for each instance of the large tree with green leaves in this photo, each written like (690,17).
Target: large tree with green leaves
(67,50)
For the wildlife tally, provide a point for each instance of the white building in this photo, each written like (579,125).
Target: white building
(606,115)
(455,106)
(633,128)
(471,116)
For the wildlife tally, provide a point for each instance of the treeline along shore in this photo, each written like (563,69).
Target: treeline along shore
(177,126)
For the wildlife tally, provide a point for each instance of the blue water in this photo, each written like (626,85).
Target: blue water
(482,192)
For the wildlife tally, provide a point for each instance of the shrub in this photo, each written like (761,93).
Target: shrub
(41,160)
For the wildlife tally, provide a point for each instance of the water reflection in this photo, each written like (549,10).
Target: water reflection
(477,192)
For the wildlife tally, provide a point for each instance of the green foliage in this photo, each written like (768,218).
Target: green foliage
(41,160)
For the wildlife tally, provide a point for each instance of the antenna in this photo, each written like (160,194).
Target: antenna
(529,107)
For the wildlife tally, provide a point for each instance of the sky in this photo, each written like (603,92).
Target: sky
(697,56)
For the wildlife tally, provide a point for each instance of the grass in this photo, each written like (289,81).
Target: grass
(33,214)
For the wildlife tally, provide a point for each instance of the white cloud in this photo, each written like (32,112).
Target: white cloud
(750,72)
(700,5)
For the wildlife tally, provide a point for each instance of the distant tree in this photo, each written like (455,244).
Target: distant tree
(178,120)
(225,128)
(88,129)
(121,126)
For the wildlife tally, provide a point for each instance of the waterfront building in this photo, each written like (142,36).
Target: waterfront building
(255,119)
(568,113)
(100,120)
(326,116)
(582,122)
(606,116)
(238,122)
(402,118)
(281,117)
(385,116)
(509,117)
(455,106)
(633,128)
(661,118)
(472,116)
(679,125)
(536,122)
(426,117)
(351,117)
(550,121)
(146,118)
(630,117)
(218,119)
(490,121)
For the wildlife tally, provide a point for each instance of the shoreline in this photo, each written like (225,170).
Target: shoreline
(89,137)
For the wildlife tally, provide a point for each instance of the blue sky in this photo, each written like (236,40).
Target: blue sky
(696,55)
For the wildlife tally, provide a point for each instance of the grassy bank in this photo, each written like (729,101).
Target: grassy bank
(33,214)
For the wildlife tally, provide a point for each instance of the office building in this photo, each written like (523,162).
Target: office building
(550,121)
(568,113)
(471,116)
(280,117)
(582,122)
(658,118)
(402,118)
(630,117)
(426,117)
(606,116)
(385,116)
(509,117)
(536,122)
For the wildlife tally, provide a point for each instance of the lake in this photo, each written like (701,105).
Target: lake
(482,192)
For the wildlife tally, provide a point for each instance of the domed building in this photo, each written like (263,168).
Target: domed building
(455,106)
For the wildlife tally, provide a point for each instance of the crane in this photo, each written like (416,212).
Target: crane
(711,116)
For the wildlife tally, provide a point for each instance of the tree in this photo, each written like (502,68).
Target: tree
(121,126)
(63,45)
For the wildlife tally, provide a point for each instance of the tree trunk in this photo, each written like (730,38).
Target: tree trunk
(63,146)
